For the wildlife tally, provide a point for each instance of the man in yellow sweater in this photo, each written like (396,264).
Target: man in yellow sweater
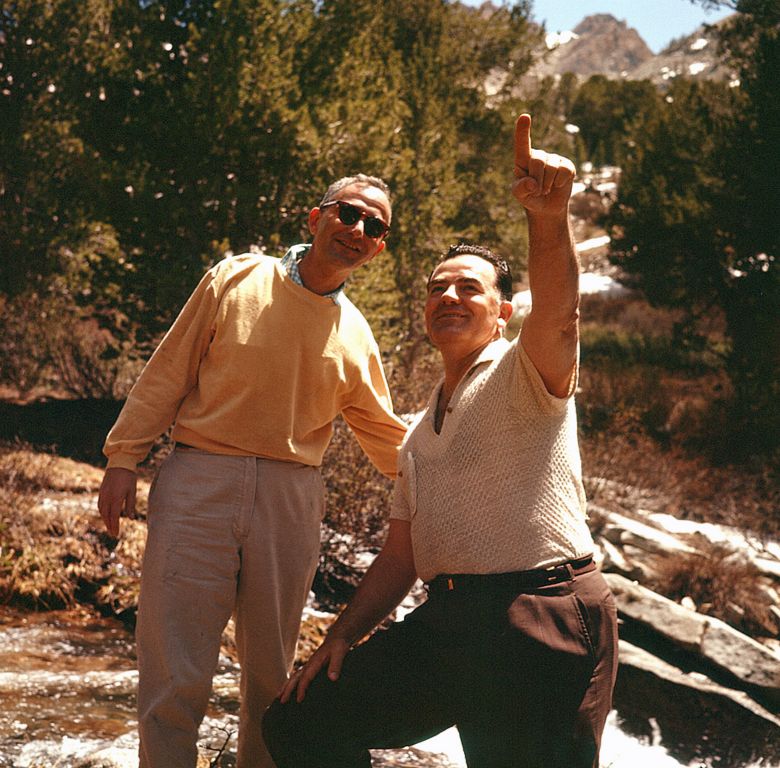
(262,358)
(516,644)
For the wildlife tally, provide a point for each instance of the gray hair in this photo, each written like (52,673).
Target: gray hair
(358,178)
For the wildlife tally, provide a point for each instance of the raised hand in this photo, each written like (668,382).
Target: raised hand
(543,181)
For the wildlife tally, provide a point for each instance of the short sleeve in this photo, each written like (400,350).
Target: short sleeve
(530,377)
(400,507)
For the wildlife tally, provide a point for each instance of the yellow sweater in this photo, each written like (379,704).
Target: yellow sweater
(256,365)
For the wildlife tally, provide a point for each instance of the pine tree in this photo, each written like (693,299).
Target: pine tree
(695,222)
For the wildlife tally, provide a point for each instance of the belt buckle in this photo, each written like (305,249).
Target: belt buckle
(554,575)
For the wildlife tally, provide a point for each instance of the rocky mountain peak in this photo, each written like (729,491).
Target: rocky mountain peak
(597,23)
(599,44)
(696,55)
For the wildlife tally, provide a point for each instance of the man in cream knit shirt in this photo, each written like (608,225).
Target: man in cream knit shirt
(262,358)
(517,642)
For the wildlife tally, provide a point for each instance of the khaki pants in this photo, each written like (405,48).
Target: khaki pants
(226,533)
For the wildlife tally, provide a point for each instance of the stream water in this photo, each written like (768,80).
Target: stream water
(67,692)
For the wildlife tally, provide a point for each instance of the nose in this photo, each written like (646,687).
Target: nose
(451,294)
(358,227)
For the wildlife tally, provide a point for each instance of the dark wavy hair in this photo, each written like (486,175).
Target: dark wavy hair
(501,268)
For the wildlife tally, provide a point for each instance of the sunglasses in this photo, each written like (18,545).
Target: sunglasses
(350,214)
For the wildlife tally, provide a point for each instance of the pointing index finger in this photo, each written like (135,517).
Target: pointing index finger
(523,141)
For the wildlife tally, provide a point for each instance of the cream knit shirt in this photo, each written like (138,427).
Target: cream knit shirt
(500,488)
(256,365)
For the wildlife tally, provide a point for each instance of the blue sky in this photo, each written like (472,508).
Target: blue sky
(657,21)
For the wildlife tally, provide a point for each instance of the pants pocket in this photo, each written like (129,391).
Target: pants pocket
(555,622)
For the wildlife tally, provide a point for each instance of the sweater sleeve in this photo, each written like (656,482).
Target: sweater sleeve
(170,374)
(370,417)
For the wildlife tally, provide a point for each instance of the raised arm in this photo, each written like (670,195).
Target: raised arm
(550,332)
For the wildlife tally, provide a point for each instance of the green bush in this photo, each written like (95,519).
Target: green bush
(616,348)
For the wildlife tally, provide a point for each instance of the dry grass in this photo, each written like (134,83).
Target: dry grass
(22,468)
(671,480)
(655,414)
(54,553)
(722,584)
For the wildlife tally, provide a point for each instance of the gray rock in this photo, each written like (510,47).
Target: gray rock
(637,657)
(614,560)
(768,567)
(741,655)
(110,757)
(622,530)
(698,721)
(711,639)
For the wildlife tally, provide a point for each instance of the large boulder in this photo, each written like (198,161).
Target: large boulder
(697,720)
(622,530)
(712,640)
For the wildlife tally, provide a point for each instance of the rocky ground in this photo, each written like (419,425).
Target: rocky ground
(672,646)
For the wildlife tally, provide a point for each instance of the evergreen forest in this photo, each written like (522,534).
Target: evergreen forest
(144,140)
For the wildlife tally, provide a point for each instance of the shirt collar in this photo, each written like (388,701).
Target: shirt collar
(491,352)
(292,259)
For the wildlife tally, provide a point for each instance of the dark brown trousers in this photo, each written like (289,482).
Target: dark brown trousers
(526,678)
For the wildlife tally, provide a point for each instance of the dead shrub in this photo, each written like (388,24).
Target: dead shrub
(47,341)
(357,505)
(116,587)
(622,401)
(630,314)
(88,363)
(689,418)
(31,578)
(631,469)
(26,572)
(22,362)
(54,553)
(358,495)
(722,584)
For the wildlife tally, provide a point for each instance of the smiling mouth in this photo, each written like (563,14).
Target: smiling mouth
(349,246)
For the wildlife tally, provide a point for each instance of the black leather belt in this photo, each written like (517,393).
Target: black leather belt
(517,581)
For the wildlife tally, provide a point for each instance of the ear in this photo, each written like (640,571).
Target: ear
(314,217)
(505,310)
